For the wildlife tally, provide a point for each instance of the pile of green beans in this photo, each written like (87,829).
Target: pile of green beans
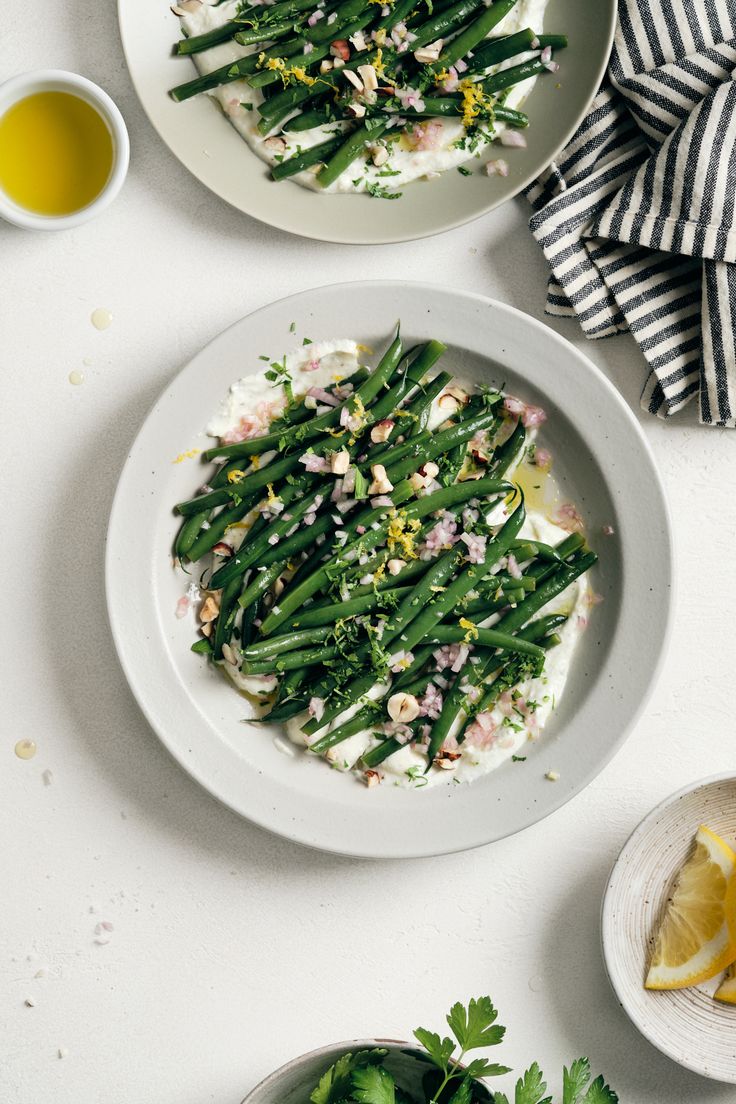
(331,593)
(359,64)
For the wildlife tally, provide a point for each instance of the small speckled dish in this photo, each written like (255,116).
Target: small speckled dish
(293,1082)
(685,1024)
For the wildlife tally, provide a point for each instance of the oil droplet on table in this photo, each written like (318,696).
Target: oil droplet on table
(536,983)
(76,377)
(25,749)
(101,318)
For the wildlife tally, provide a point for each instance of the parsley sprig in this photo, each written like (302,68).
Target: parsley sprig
(278,376)
(363,1077)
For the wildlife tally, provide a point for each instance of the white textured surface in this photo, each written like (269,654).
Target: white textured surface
(233,951)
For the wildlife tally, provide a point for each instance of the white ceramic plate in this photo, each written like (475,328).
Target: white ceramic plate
(685,1024)
(203,140)
(602,461)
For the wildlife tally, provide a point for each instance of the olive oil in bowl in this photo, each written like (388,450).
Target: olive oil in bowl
(56,153)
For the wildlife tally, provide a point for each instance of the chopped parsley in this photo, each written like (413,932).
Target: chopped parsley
(378,191)
(278,375)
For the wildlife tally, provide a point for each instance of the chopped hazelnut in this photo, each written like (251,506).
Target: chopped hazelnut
(403,707)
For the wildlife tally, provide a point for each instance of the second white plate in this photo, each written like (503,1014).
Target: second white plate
(601,458)
(204,141)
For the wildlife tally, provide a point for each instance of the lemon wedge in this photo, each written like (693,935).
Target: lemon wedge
(726,991)
(697,936)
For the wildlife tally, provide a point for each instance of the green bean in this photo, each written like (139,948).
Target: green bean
(351,148)
(535,548)
(484,638)
(346,698)
(424,406)
(375,756)
(262,580)
(188,534)
(202,647)
(449,106)
(507,78)
(286,710)
(361,720)
(290,683)
(303,658)
(496,51)
(469,38)
(194,43)
(336,611)
(288,642)
(314,428)
(308,120)
(442,24)
(208,81)
(225,619)
(506,454)
(264,34)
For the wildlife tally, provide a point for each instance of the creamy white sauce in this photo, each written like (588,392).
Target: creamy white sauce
(240,102)
(336,360)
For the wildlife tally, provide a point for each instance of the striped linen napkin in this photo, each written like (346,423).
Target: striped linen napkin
(636,217)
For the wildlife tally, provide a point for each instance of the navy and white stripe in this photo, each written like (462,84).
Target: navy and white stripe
(636,217)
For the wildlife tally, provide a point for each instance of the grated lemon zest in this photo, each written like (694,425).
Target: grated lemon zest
(188,455)
(235,475)
(401,533)
(472,630)
(474,102)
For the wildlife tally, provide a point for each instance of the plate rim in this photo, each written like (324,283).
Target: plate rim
(605,921)
(563,796)
(385,239)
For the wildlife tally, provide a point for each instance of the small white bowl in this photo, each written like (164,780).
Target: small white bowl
(685,1024)
(57,80)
